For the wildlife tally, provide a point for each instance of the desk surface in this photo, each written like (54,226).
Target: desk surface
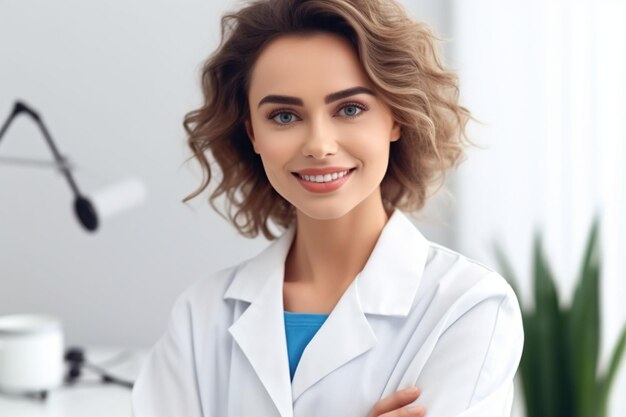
(88,397)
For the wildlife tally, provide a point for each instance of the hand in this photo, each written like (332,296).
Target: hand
(394,405)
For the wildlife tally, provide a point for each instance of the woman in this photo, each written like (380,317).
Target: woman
(326,117)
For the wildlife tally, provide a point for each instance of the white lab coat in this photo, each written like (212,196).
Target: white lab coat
(417,315)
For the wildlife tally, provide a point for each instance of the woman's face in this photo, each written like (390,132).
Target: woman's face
(315,121)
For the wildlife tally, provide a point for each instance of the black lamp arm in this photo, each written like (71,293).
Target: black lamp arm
(83,208)
(20,107)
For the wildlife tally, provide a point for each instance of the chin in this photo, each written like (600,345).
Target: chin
(324,211)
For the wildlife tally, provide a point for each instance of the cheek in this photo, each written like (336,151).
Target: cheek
(273,152)
(266,144)
(372,146)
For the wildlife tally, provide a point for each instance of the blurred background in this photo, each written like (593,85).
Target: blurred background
(112,81)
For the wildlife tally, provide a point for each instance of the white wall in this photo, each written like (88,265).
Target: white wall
(112,81)
(546,79)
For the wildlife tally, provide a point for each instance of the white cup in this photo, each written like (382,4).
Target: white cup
(31,353)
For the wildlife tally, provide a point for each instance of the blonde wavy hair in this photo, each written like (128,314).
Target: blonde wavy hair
(400,58)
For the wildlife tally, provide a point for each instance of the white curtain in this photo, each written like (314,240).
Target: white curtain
(547,80)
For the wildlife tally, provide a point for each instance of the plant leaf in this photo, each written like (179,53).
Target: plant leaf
(584,329)
(548,333)
(607,381)
(530,368)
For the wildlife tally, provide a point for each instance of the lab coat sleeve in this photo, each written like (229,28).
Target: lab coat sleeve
(471,369)
(167,385)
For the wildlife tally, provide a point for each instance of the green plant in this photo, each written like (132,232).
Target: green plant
(559,365)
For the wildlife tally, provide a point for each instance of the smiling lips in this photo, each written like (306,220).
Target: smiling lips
(323,180)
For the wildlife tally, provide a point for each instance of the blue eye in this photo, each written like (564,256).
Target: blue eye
(351,110)
(283,117)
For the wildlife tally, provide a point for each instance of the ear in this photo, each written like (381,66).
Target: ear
(396,131)
(250,133)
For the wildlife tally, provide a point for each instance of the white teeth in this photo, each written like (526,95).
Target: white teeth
(324,178)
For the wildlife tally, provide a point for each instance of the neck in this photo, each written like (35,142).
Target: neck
(328,254)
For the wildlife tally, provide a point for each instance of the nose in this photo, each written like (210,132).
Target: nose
(321,140)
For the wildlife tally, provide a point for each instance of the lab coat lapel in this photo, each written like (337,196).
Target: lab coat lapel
(345,334)
(259,331)
(386,286)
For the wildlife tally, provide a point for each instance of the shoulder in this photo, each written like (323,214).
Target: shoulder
(210,287)
(204,297)
(441,270)
(454,285)
(455,274)
(213,297)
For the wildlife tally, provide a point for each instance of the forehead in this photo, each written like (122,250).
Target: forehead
(306,65)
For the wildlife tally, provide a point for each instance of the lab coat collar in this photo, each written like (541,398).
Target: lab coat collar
(388,282)
(259,331)
(387,285)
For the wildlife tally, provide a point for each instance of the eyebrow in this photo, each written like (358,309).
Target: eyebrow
(295,101)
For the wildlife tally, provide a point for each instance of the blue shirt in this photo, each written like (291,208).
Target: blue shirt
(300,329)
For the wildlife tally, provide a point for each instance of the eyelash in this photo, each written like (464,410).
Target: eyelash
(342,106)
